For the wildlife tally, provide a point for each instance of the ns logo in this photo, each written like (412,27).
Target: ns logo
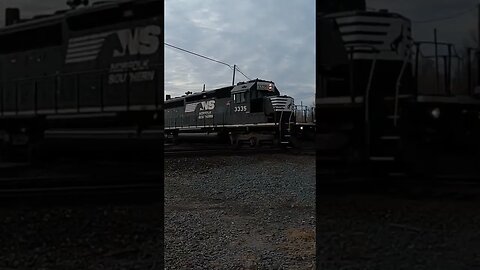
(140,41)
(207,105)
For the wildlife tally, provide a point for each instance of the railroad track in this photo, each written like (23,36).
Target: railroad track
(217,150)
(439,187)
(203,149)
(103,179)
(65,188)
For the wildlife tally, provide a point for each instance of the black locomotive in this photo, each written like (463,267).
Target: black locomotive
(86,72)
(387,103)
(252,112)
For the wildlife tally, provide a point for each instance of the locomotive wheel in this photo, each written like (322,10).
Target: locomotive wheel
(253,142)
(3,152)
(232,139)
(237,144)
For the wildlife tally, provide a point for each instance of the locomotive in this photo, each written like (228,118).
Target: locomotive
(89,72)
(250,112)
(387,104)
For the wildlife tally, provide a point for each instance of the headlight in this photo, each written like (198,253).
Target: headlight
(435,113)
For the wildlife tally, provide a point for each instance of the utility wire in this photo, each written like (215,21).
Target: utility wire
(448,17)
(199,55)
(208,58)
(243,73)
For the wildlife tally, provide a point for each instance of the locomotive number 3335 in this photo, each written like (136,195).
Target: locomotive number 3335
(240,108)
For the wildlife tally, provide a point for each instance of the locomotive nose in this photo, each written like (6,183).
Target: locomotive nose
(284,103)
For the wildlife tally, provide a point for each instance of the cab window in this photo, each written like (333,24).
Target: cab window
(239,97)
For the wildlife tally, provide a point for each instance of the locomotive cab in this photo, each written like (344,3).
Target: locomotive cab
(252,96)
(240,98)
(259,97)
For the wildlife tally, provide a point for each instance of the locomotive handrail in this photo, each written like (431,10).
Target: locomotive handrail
(367,104)
(305,110)
(57,79)
(290,121)
(352,51)
(397,87)
(280,125)
(96,71)
(449,56)
(368,88)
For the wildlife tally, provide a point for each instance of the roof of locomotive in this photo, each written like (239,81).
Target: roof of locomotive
(380,13)
(196,94)
(213,91)
(36,21)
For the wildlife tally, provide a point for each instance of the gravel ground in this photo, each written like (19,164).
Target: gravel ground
(85,232)
(81,237)
(365,231)
(238,212)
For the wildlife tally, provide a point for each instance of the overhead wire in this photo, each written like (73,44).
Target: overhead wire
(208,58)
(243,73)
(197,54)
(453,16)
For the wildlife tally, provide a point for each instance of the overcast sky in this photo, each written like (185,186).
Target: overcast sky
(459,29)
(267,39)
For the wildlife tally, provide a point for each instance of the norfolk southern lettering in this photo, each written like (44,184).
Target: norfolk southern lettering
(142,40)
(132,42)
(100,59)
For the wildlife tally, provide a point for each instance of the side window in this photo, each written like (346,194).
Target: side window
(239,98)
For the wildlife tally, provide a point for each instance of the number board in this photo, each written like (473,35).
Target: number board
(242,108)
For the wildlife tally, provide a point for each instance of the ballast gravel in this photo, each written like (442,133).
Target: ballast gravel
(240,212)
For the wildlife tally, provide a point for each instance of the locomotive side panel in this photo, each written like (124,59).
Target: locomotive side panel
(208,111)
(28,53)
(99,58)
(123,50)
(68,93)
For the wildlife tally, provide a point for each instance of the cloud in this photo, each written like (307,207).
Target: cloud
(268,39)
(458,29)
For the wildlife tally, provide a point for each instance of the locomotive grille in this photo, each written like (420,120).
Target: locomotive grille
(282,103)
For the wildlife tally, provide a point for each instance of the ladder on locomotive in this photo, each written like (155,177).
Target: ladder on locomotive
(381,131)
(285,129)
